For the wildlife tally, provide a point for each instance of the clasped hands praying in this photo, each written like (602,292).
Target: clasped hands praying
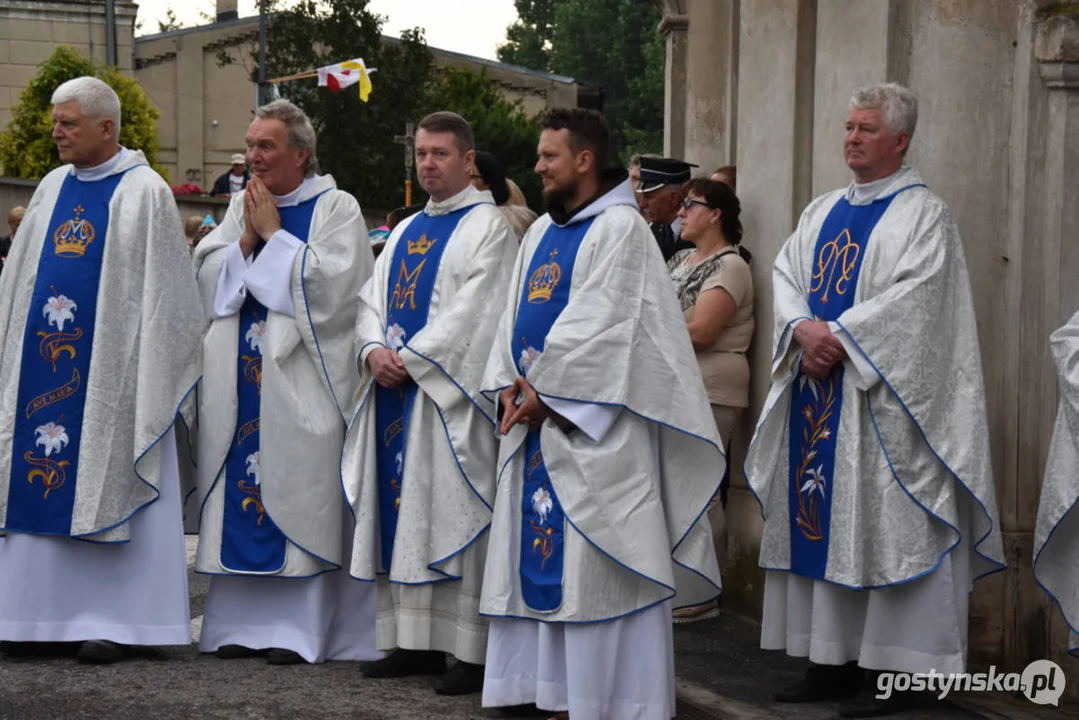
(821,350)
(261,219)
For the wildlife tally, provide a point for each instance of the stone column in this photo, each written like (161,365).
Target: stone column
(711,83)
(675,26)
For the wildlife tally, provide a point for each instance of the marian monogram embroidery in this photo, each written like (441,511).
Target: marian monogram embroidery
(839,255)
(73,237)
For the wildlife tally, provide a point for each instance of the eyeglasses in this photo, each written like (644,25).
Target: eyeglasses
(688,203)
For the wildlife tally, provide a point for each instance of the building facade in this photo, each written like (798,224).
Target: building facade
(765,84)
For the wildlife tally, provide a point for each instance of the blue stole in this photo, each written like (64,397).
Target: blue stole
(543,298)
(816,405)
(56,349)
(416,259)
(250,540)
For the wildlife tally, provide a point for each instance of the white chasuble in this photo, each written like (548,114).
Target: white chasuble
(279,374)
(100,323)
(1056,538)
(878,476)
(419,459)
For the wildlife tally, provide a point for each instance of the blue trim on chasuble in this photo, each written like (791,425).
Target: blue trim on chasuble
(543,522)
(56,352)
(816,405)
(416,259)
(250,540)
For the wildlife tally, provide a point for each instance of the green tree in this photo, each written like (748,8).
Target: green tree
(26,147)
(528,41)
(628,64)
(499,126)
(170,22)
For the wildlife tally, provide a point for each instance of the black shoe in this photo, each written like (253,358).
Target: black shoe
(100,652)
(462,679)
(823,683)
(280,656)
(238,652)
(866,704)
(405,663)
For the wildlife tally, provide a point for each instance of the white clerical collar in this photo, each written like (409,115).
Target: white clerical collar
(105,169)
(469,196)
(620,194)
(865,193)
(297,196)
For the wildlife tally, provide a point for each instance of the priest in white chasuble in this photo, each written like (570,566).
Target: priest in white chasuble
(419,460)
(1056,538)
(280,279)
(100,324)
(608,456)
(871,456)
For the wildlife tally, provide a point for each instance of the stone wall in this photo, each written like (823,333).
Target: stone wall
(765,84)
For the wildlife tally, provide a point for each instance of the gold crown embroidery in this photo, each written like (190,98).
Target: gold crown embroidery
(73,237)
(421,246)
(544,280)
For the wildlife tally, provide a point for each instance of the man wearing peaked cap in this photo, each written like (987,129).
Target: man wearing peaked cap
(660,198)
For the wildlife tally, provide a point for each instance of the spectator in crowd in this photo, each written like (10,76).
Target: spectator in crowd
(660,197)
(488,174)
(634,169)
(235,180)
(715,289)
(728,174)
(14,217)
(516,196)
(191,228)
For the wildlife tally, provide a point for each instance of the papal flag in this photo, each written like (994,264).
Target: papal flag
(342,75)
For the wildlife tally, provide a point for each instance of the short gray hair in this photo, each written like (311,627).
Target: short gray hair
(898,104)
(96,99)
(300,133)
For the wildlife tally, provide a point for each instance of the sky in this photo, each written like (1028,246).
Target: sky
(472,27)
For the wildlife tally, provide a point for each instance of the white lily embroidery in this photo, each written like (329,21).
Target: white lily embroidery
(253,466)
(52,436)
(529,357)
(254,335)
(395,337)
(542,503)
(59,309)
(815,481)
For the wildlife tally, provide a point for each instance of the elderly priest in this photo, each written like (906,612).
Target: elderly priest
(100,324)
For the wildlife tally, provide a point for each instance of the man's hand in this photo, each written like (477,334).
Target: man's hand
(263,216)
(387,367)
(249,239)
(821,350)
(531,410)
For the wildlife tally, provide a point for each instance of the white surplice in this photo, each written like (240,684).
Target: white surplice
(899,602)
(309,288)
(133,588)
(634,480)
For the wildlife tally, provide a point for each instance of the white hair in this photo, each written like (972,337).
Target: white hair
(898,104)
(300,133)
(96,99)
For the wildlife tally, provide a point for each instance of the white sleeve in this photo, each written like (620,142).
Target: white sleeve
(865,376)
(592,419)
(270,277)
(231,291)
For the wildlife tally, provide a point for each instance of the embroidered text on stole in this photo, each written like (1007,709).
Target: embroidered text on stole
(413,270)
(544,296)
(250,540)
(816,405)
(56,352)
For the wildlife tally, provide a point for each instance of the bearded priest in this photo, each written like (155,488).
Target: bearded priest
(609,454)
(419,459)
(100,324)
(280,278)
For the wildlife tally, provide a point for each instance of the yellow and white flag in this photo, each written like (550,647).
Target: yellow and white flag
(342,75)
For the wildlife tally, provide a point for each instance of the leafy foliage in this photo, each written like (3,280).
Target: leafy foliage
(26,147)
(170,22)
(610,43)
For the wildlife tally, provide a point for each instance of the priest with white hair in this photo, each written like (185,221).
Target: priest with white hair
(100,322)
(871,456)
(1056,535)
(280,278)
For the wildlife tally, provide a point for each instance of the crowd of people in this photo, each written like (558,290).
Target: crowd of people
(484,435)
